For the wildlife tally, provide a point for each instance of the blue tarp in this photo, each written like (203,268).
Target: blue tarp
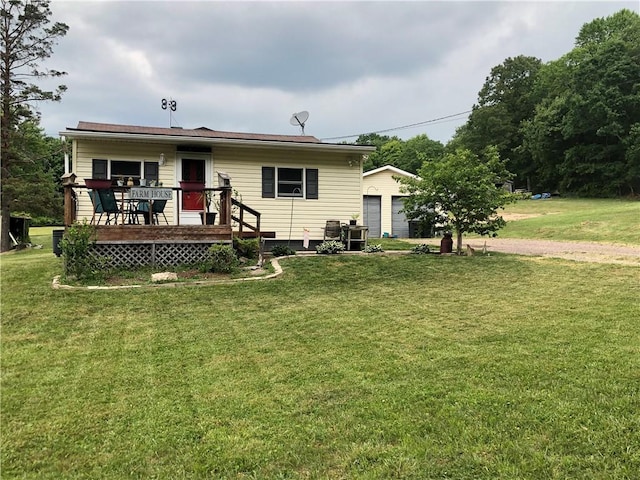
(538,196)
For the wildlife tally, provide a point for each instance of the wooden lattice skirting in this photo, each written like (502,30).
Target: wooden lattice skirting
(141,254)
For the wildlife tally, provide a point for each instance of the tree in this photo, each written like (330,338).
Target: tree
(407,155)
(464,187)
(27,39)
(375,159)
(39,163)
(585,126)
(506,100)
(416,150)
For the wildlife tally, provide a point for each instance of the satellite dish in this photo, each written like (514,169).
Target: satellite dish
(299,119)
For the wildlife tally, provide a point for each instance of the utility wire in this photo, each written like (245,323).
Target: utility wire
(426,122)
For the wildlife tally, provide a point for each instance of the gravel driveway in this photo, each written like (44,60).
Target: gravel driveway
(579,251)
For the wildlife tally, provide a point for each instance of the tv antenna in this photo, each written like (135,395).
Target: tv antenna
(299,119)
(170,105)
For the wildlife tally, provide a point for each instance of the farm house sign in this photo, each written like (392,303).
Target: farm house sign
(151,193)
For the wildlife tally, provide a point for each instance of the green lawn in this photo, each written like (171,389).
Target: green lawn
(378,366)
(599,220)
(591,220)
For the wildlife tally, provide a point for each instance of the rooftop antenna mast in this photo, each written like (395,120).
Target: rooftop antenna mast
(300,119)
(170,105)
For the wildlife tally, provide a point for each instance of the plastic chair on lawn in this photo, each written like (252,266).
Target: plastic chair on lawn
(109,204)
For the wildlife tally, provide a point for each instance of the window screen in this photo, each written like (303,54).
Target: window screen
(290,182)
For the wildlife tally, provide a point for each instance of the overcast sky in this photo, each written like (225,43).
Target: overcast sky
(357,67)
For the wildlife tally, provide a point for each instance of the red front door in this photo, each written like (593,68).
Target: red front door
(193,171)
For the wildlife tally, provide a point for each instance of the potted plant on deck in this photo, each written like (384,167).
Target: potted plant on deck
(354,219)
(207,218)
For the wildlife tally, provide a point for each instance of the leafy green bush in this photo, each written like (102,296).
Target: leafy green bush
(330,247)
(46,222)
(420,249)
(373,248)
(248,248)
(222,259)
(282,251)
(76,245)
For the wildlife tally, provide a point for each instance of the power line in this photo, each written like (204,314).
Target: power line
(403,127)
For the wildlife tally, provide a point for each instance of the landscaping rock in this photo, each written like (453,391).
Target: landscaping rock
(164,276)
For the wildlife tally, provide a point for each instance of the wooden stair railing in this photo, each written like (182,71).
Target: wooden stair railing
(241,219)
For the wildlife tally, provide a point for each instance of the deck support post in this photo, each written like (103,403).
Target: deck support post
(68,182)
(225,206)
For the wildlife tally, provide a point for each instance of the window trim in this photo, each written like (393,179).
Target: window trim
(271,182)
(284,183)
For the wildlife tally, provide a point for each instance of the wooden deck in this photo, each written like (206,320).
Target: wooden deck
(164,233)
(172,233)
(166,245)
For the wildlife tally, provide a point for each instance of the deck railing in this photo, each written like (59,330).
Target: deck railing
(223,204)
(241,219)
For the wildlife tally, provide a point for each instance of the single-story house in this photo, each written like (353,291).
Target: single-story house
(382,202)
(295,182)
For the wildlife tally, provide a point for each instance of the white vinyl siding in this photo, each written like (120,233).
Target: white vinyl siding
(339,187)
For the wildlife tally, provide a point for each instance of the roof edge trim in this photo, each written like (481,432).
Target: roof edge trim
(139,137)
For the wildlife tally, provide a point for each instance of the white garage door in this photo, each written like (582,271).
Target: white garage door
(399,223)
(372,218)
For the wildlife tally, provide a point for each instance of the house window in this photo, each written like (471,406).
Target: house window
(285,182)
(290,182)
(151,170)
(99,168)
(124,169)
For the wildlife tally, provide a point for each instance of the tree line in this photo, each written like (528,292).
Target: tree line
(571,125)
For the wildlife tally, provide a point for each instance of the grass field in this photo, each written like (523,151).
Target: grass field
(592,220)
(379,366)
(599,220)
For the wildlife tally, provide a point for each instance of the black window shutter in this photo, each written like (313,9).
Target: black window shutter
(268,182)
(151,170)
(312,183)
(99,168)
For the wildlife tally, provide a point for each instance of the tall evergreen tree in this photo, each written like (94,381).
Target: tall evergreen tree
(27,38)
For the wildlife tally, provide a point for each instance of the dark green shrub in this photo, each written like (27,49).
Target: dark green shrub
(222,259)
(282,251)
(248,248)
(46,222)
